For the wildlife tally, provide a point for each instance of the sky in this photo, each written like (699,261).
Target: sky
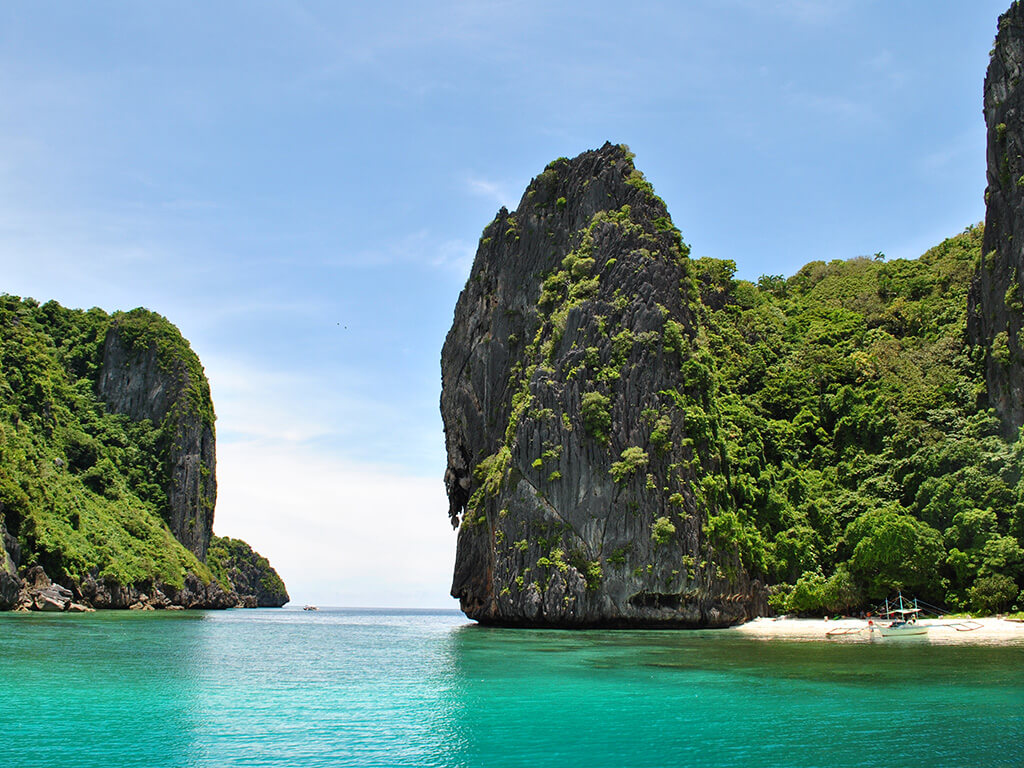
(300,188)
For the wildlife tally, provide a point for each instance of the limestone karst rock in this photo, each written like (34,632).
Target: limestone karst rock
(996,315)
(107,475)
(247,572)
(10,583)
(150,372)
(581,458)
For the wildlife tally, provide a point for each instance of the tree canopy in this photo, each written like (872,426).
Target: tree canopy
(857,449)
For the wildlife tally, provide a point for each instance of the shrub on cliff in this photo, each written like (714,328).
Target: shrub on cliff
(596,418)
(633,459)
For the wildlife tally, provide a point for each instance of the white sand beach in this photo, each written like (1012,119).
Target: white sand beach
(943,631)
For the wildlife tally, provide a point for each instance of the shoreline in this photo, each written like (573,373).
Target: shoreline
(991,630)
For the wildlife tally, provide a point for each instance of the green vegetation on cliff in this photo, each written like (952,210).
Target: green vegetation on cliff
(84,490)
(89,494)
(858,456)
(827,436)
(142,330)
(238,567)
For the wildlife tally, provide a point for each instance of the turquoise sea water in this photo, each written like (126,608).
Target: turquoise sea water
(387,688)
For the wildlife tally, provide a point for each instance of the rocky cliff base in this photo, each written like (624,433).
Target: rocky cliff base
(39,593)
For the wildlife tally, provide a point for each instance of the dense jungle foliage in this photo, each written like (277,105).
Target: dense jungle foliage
(85,490)
(857,452)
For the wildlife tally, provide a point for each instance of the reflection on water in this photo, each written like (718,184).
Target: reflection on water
(330,688)
(711,698)
(286,687)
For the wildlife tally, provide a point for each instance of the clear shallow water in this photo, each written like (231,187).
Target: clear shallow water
(380,688)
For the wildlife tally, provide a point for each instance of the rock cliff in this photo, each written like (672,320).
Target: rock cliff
(247,572)
(576,408)
(107,473)
(997,293)
(150,372)
(10,584)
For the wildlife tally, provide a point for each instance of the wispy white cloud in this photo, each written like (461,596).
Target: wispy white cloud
(255,403)
(387,37)
(885,67)
(76,253)
(833,106)
(816,12)
(338,532)
(456,255)
(492,190)
(418,247)
(962,149)
(242,306)
(121,258)
(192,205)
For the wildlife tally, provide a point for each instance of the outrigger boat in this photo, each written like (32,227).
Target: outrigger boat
(901,617)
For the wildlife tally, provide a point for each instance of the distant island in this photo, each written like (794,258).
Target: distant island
(637,438)
(108,468)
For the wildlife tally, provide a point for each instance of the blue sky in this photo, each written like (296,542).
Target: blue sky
(300,187)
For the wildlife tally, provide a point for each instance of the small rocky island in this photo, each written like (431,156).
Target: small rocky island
(637,438)
(575,404)
(108,481)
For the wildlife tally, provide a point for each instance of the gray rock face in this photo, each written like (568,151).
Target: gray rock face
(10,583)
(194,594)
(575,411)
(39,593)
(10,587)
(996,299)
(161,380)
